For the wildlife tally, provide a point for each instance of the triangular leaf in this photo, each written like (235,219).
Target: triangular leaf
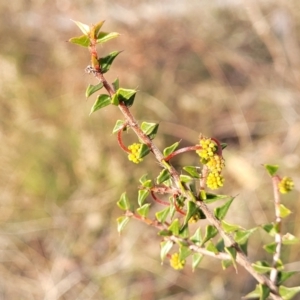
(271,169)
(288,292)
(102,101)
(192,208)
(193,171)
(211,247)
(115,84)
(145,181)
(289,239)
(185,178)
(124,203)
(82,40)
(226,264)
(283,276)
(174,227)
(232,252)
(184,252)
(210,198)
(220,212)
(97,28)
(197,257)
(150,129)
(210,232)
(229,227)
(119,125)
(270,248)
(122,221)
(165,247)
(184,232)
(105,62)
(162,215)
(241,236)
(270,229)
(261,267)
(83,27)
(167,151)
(103,37)
(144,210)
(143,151)
(197,237)
(163,176)
(91,89)
(283,211)
(142,195)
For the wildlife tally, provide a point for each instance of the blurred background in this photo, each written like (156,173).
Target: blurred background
(228,69)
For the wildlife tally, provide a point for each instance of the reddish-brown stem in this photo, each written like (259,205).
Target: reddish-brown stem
(158,200)
(120,141)
(182,150)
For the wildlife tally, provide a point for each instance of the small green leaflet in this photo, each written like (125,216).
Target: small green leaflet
(91,89)
(167,151)
(102,101)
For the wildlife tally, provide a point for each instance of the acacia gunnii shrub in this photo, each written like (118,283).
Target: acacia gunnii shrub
(190,191)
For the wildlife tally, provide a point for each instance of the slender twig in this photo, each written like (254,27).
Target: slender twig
(278,237)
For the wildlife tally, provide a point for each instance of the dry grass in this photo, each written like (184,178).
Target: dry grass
(229,71)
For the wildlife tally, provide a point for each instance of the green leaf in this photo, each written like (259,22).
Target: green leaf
(197,237)
(103,37)
(192,209)
(143,151)
(126,95)
(122,221)
(124,203)
(211,247)
(288,292)
(197,257)
(210,198)
(115,99)
(142,195)
(167,151)
(91,89)
(223,145)
(210,232)
(270,248)
(165,247)
(119,126)
(242,236)
(82,40)
(220,212)
(97,27)
(261,292)
(289,239)
(83,27)
(184,252)
(102,101)
(145,181)
(164,232)
(283,276)
(115,84)
(229,227)
(232,252)
(261,267)
(163,176)
(270,229)
(105,62)
(174,227)
(226,264)
(150,129)
(193,171)
(162,215)
(185,178)
(184,232)
(271,169)
(144,210)
(284,212)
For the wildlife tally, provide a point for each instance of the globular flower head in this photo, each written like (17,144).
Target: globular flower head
(285,185)
(176,263)
(134,155)
(215,163)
